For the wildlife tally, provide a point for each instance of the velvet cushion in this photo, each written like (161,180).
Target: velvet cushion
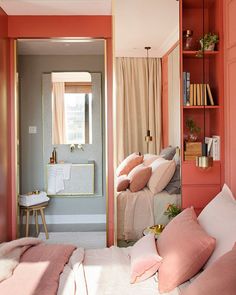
(122,183)
(168,153)
(128,164)
(173,187)
(184,247)
(145,260)
(139,177)
(162,172)
(218,219)
(218,278)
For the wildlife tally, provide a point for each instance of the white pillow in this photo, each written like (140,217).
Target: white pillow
(162,172)
(218,219)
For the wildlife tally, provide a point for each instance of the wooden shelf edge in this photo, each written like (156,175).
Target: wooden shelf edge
(201,107)
(193,53)
(193,161)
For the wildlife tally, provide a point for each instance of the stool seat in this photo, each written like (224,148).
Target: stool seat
(39,208)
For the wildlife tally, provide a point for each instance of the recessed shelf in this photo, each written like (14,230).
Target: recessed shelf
(194,53)
(201,107)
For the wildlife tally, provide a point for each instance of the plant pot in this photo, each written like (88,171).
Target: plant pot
(210,47)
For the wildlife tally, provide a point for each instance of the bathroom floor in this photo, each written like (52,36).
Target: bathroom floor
(88,240)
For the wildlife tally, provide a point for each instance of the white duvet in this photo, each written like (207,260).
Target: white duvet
(104,272)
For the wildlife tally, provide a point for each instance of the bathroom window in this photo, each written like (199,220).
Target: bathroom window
(77,106)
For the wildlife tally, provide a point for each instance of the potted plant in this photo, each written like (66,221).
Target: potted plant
(172,210)
(208,41)
(194,130)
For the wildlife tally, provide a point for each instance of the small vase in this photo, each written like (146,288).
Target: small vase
(192,137)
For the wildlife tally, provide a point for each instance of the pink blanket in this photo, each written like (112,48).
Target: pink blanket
(39,271)
(134,213)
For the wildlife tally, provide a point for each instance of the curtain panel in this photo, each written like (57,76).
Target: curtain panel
(132,107)
(58,113)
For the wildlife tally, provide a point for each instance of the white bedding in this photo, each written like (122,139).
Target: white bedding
(107,272)
(136,211)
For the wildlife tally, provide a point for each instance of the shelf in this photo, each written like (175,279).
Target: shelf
(193,53)
(201,107)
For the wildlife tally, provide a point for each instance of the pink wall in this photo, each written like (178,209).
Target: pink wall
(4,167)
(230,92)
(66,26)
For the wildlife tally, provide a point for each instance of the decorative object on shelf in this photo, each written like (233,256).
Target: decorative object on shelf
(188,40)
(194,130)
(208,41)
(186,88)
(172,211)
(192,150)
(148,136)
(205,160)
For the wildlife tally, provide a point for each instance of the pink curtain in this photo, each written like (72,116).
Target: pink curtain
(58,114)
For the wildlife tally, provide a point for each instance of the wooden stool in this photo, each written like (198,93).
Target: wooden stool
(35,209)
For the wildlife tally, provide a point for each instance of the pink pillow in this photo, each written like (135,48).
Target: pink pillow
(218,219)
(162,172)
(148,159)
(184,247)
(218,278)
(128,164)
(122,183)
(139,177)
(145,260)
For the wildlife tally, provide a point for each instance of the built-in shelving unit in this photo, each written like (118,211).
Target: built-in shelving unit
(200,186)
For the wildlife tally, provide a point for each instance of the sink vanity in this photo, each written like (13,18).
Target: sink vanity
(79,180)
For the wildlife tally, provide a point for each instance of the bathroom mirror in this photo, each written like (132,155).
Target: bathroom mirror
(71,108)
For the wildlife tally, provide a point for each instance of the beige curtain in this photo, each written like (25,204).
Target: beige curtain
(131,105)
(58,113)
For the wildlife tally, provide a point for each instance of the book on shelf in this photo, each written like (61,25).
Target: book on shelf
(213,146)
(199,94)
(186,88)
(210,94)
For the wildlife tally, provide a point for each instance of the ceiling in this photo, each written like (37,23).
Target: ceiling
(56,7)
(60,47)
(140,23)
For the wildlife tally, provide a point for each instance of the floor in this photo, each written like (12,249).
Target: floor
(88,240)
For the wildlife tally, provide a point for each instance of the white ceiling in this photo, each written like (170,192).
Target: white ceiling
(60,47)
(140,23)
(56,7)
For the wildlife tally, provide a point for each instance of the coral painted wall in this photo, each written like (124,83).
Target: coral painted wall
(230,92)
(4,167)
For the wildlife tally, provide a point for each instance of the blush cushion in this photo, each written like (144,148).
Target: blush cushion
(218,278)
(128,164)
(122,183)
(184,247)
(218,219)
(148,159)
(162,172)
(145,260)
(139,177)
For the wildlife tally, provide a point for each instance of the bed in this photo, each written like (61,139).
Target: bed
(86,272)
(191,249)
(136,211)
(140,208)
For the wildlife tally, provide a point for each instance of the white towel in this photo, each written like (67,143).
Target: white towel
(57,173)
(66,170)
(31,200)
